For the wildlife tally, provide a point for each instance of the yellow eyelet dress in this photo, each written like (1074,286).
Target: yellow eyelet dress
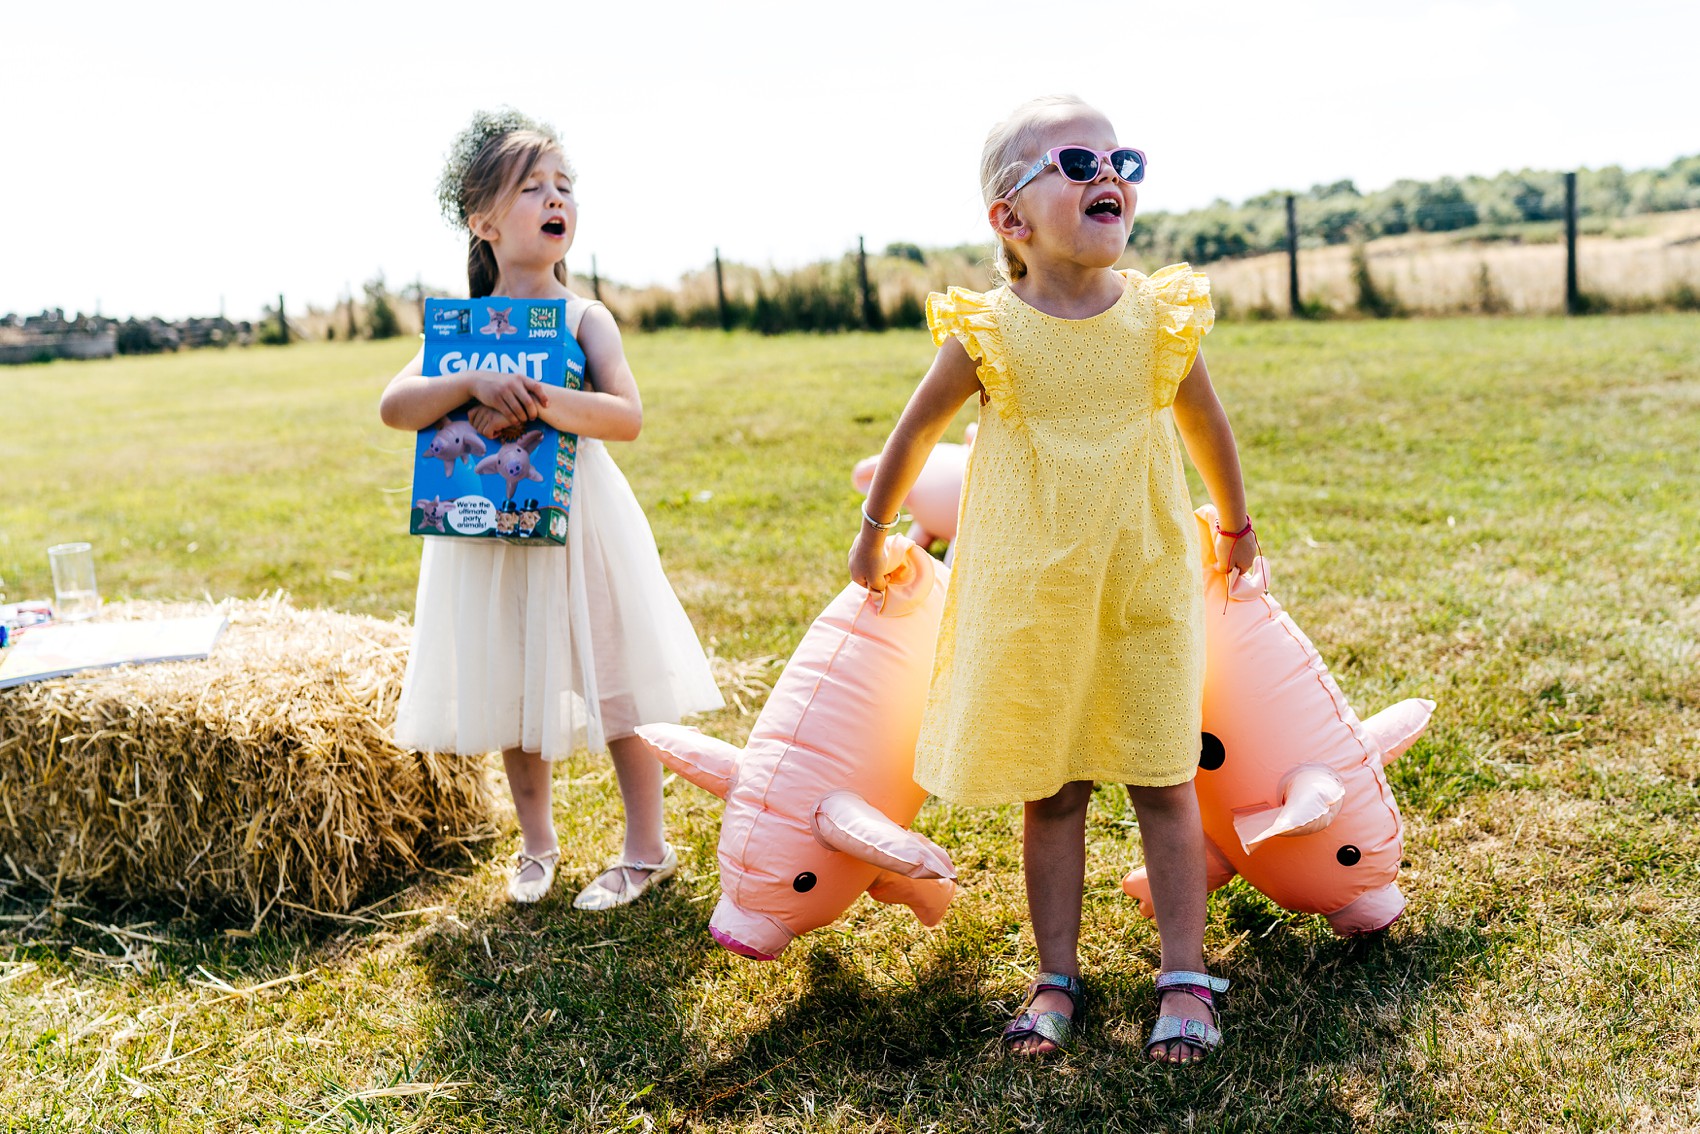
(1072,646)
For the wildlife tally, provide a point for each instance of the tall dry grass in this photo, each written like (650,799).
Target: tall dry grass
(1639,262)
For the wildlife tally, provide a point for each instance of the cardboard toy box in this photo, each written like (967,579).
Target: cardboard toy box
(516,487)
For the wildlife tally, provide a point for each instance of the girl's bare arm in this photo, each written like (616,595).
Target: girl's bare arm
(949,382)
(1209,440)
(612,409)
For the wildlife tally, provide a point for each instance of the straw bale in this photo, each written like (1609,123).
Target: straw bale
(258,782)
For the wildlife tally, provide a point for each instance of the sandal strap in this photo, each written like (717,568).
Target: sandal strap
(652,867)
(623,864)
(1195,1032)
(1183,979)
(1052,1026)
(545,860)
(1072,987)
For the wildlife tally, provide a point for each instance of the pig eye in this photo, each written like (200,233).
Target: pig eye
(1348,855)
(1210,752)
(803,883)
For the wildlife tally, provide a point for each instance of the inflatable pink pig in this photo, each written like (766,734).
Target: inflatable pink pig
(1290,786)
(819,800)
(937,495)
(512,462)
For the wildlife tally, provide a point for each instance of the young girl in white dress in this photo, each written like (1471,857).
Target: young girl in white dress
(535,650)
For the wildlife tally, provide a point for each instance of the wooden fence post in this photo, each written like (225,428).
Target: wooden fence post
(1572,294)
(595,281)
(282,322)
(1293,304)
(871,316)
(720,293)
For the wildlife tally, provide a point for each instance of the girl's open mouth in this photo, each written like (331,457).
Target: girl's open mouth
(1104,207)
(555,227)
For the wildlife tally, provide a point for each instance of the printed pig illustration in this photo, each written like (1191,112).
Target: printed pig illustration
(455,440)
(819,801)
(1290,784)
(512,462)
(433,512)
(937,495)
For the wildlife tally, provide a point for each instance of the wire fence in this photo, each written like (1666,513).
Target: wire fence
(1584,242)
(1520,243)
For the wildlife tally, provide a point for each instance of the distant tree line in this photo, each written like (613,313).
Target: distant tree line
(1339,213)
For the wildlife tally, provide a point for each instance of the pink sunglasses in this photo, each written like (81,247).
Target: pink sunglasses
(1082,165)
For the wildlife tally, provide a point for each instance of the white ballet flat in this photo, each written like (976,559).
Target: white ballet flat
(614,887)
(533,889)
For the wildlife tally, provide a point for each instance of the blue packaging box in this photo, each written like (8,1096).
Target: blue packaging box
(517,486)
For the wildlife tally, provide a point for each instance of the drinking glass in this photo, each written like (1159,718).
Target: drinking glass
(74,594)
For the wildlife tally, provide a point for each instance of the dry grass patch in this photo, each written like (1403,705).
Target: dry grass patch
(1642,260)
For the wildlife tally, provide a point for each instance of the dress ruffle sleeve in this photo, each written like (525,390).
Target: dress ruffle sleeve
(971,318)
(1184,317)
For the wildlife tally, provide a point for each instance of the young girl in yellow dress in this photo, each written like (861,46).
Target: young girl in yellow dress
(1072,645)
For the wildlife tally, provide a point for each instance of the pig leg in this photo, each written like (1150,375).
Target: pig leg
(928,897)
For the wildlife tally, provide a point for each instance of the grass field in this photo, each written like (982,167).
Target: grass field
(1498,514)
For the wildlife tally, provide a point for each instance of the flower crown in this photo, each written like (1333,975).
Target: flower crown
(485,128)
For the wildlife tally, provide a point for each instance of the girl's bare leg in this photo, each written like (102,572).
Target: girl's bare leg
(1173,839)
(1053,853)
(528,780)
(639,772)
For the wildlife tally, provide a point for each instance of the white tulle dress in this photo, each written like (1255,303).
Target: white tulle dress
(550,648)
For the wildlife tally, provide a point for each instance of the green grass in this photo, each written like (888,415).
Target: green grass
(1497,514)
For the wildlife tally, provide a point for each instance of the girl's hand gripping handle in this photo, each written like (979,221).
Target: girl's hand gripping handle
(1236,550)
(869,562)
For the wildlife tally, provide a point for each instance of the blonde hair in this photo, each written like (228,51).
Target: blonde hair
(1009,150)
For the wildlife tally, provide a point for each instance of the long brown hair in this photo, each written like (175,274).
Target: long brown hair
(491,184)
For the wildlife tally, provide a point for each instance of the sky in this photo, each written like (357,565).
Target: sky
(182,158)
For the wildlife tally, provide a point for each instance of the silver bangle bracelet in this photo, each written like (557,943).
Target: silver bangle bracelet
(876,525)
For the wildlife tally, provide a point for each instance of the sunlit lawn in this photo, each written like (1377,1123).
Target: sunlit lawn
(1499,515)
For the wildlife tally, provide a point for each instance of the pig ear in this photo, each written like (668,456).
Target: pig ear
(531,440)
(487,465)
(1310,799)
(1397,727)
(442,423)
(844,821)
(708,763)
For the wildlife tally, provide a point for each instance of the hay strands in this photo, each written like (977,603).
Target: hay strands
(231,992)
(261,781)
